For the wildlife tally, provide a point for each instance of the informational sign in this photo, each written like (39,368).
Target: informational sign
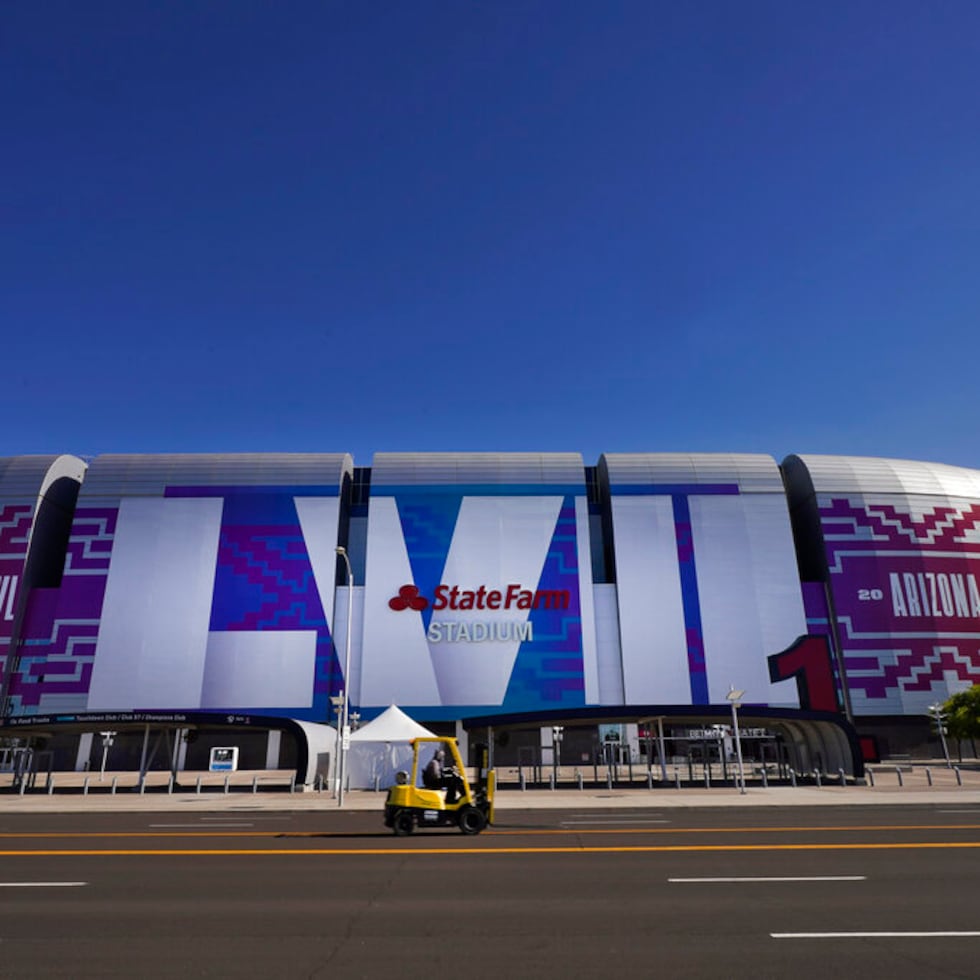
(223,759)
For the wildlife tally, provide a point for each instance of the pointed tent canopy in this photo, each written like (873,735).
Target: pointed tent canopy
(392,725)
(381,748)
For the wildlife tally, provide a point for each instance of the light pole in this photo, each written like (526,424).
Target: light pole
(345,707)
(936,710)
(735,697)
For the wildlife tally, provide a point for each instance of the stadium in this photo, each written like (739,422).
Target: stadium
(165,605)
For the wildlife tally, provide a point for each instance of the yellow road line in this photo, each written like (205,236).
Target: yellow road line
(515,832)
(349,852)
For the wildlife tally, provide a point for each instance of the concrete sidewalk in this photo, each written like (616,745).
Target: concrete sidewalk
(915,790)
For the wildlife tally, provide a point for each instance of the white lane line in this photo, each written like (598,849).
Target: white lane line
(595,823)
(42,884)
(801,878)
(870,935)
(199,826)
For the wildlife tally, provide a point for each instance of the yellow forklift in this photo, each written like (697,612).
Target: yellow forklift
(436,793)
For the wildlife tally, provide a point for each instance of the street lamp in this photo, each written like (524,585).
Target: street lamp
(735,697)
(936,710)
(345,705)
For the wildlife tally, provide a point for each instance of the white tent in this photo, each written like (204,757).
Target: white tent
(380,748)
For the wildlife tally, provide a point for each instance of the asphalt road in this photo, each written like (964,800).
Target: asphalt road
(786,892)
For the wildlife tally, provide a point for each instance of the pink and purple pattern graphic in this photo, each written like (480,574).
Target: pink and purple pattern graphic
(905,591)
(61,625)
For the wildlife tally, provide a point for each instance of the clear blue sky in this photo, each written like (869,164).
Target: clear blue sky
(442,226)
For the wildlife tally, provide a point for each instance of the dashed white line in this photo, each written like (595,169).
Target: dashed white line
(798,878)
(42,884)
(199,826)
(870,935)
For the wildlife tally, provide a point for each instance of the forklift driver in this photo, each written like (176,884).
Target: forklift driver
(437,775)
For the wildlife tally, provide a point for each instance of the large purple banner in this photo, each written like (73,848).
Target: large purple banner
(905,580)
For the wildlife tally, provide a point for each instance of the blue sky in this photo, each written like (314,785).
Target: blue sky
(592,227)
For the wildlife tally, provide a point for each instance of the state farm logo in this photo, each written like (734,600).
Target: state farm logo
(453,597)
(408,598)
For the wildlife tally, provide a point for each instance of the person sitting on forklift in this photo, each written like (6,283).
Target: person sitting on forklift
(437,776)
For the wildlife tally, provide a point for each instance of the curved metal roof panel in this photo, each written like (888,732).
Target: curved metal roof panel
(751,472)
(149,475)
(27,477)
(868,474)
(428,469)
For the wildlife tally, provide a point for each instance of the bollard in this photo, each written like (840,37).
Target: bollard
(928,775)
(170,784)
(85,787)
(959,778)
(142,781)
(23,784)
(50,784)
(377,784)
(898,772)
(319,782)
(765,778)
(816,776)
(581,782)
(226,783)
(114,778)
(871,778)
(551,780)
(197,788)
(677,778)
(608,778)
(292,785)
(649,779)
(707,779)
(523,781)
(255,784)
(792,777)
(843,778)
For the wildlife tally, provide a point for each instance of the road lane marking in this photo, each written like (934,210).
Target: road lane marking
(42,884)
(870,935)
(354,852)
(594,823)
(801,878)
(198,825)
(495,831)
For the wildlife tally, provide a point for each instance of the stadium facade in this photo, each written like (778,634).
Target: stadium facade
(503,594)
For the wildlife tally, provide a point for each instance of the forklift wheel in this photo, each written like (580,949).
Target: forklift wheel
(471,820)
(403,823)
